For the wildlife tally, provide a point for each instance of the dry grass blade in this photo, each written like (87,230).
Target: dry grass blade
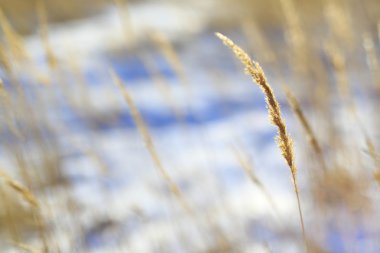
(122,7)
(4,60)
(43,22)
(12,39)
(294,104)
(149,142)
(167,49)
(283,139)
(339,21)
(371,150)
(26,248)
(162,86)
(246,166)
(252,68)
(5,102)
(295,35)
(29,197)
(372,58)
(339,63)
(23,191)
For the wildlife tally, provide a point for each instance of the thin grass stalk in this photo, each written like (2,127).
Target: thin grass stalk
(144,132)
(44,35)
(295,36)
(5,102)
(26,248)
(28,197)
(339,63)
(248,170)
(162,86)
(13,41)
(4,60)
(311,137)
(122,8)
(284,142)
(168,51)
(11,220)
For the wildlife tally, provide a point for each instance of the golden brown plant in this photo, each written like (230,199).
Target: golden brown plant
(337,182)
(371,150)
(162,85)
(149,142)
(26,194)
(27,248)
(122,7)
(247,167)
(4,60)
(6,104)
(252,68)
(339,21)
(295,35)
(43,23)
(372,58)
(168,51)
(12,213)
(284,142)
(258,41)
(28,197)
(13,41)
(297,110)
(338,61)
(376,176)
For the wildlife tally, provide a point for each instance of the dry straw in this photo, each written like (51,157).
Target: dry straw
(168,51)
(149,142)
(13,41)
(244,163)
(339,21)
(371,57)
(29,197)
(311,137)
(162,85)
(123,10)
(371,150)
(27,248)
(295,36)
(20,189)
(5,102)
(283,139)
(4,60)
(43,23)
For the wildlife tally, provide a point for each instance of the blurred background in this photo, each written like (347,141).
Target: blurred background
(127,126)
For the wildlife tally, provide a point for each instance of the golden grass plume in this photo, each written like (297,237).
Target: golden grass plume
(252,68)
(284,142)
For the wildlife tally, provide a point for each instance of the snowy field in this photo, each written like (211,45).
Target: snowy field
(113,198)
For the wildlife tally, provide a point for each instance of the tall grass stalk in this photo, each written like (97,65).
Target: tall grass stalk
(44,35)
(144,132)
(28,197)
(244,163)
(284,142)
(311,137)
